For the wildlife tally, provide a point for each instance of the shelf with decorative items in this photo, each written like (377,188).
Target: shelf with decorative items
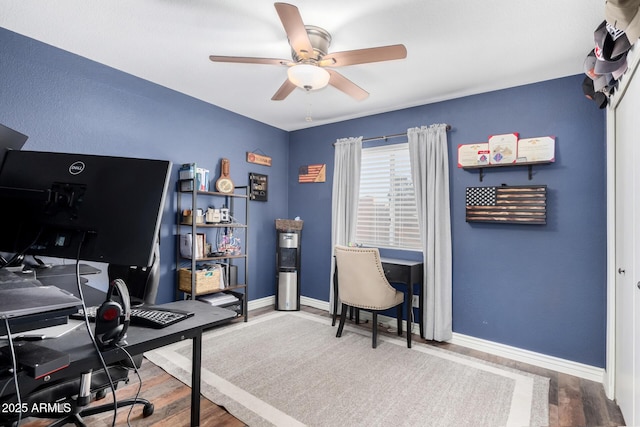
(507,150)
(217,254)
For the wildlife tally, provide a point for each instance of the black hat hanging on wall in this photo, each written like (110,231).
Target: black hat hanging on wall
(607,62)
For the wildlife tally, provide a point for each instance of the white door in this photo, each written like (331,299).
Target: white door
(627,367)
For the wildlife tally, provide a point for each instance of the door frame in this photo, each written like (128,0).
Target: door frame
(610,368)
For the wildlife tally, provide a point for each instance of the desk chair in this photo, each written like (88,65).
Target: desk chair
(71,406)
(363,285)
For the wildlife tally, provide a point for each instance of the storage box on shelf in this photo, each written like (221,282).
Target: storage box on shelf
(205,281)
(222,240)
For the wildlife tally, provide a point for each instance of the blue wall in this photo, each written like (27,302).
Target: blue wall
(66,103)
(541,288)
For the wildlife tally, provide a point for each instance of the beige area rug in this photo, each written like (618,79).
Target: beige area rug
(289,369)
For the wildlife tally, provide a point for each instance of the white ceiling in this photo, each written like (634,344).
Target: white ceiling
(455,47)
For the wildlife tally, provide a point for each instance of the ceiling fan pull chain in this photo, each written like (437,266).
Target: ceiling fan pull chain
(308,116)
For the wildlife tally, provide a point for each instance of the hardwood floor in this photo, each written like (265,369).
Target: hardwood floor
(573,401)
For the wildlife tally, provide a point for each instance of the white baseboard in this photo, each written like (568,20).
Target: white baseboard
(557,364)
(262,302)
(315,303)
(271,301)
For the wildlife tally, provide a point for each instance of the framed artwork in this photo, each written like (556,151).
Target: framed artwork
(258,186)
(473,154)
(503,148)
(540,149)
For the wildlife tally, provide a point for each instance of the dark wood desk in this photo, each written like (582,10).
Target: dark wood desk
(64,275)
(64,270)
(401,271)
(83,356)
(409,273)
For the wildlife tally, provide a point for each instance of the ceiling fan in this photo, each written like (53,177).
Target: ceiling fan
(309,68)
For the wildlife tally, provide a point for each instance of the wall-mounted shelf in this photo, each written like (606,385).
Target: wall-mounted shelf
(528,164)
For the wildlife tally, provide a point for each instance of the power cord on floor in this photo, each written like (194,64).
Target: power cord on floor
(135,368)
(14,367)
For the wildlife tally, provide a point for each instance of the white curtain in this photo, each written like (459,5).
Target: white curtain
(430,176)
(344,201)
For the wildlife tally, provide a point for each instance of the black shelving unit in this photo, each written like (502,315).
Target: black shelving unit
(238,204)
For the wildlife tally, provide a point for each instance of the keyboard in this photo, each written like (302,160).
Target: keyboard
(150,317)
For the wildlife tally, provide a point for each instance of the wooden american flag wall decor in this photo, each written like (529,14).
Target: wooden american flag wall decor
(312,173)
(505,204)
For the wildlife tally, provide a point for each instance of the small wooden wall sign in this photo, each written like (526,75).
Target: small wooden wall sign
(258,159)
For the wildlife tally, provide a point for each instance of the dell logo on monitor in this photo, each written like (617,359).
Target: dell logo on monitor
(76,168)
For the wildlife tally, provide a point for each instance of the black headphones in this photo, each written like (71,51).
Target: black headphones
(112,319)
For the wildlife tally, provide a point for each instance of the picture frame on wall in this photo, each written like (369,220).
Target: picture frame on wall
(258,187)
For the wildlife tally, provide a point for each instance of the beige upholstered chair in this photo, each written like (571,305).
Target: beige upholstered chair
(363,285)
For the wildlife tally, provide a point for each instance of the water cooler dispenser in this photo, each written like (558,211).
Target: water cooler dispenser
(288,264)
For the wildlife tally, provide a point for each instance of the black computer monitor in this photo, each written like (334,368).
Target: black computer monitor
(78,206)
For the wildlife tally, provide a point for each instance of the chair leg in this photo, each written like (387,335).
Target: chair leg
(374,329)
(146,411)
(71,419)
(343,318)
(335,313)
(399,318)
(335,296)
(93,410)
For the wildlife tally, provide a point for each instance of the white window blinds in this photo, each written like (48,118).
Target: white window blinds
(387,216)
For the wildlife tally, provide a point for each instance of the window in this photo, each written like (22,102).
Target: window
(387,214)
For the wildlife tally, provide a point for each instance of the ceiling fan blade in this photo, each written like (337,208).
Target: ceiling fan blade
(294,27)
(342,83)
(249,60)
(284,91)
(363,56)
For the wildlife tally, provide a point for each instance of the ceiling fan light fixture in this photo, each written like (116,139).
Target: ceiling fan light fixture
(308,77)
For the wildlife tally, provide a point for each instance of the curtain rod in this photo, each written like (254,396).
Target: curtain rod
(395,135)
